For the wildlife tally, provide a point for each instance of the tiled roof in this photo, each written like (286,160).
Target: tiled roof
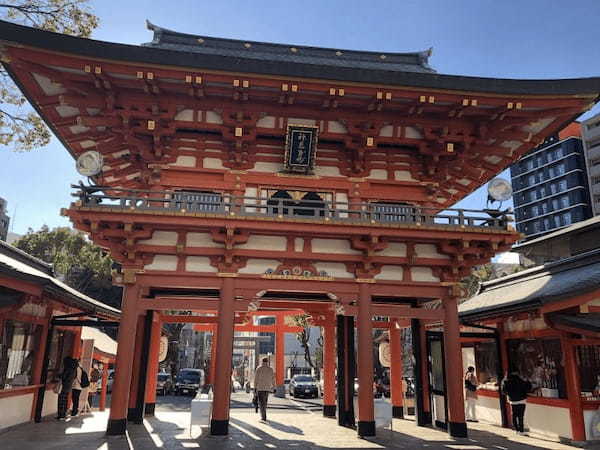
(14,262)
(535,287)
(401,62)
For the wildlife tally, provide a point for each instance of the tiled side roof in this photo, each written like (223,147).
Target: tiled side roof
(534,287)
(399,62)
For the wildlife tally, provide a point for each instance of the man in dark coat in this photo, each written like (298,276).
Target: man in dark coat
(66,380)
(517,389)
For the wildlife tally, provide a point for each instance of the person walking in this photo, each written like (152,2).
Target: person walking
(264,382)
(76,388)
(65,385)
(517,389)
(471,384)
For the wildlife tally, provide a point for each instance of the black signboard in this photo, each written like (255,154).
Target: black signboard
(300,148)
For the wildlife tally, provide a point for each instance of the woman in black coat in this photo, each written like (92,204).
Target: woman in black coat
(66,380)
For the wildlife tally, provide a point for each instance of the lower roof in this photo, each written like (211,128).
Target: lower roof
(535,287)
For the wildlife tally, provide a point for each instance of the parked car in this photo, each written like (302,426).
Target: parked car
(189,381)
(304,386)
(164,383)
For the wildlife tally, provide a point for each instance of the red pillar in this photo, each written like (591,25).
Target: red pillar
(573,390)
(102,404)
(329,356)
(135,369)
(117,421)
(396,373)
(279,356)
(213,355)
(150,400)
(454,376)
(219,424)
(366,413)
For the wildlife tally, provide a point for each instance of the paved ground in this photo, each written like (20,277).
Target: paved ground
(293,424)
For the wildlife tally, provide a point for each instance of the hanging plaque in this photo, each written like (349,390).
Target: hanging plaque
(300,148)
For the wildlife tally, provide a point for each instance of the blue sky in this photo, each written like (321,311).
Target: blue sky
(510,39)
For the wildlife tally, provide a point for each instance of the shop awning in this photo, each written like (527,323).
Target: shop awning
(535,287)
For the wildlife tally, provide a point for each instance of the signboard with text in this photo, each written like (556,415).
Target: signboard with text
(301,148)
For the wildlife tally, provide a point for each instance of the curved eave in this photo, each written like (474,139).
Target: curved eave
(12,34)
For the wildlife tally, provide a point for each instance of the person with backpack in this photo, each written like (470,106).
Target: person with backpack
(517,389)
(80,382)
(471,384)
(65,385)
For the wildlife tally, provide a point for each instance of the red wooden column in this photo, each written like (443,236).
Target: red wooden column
(135,369)
(396,372)
(117,421)
(424,359)
(573,383)
(329,357)
(457,426)
(103,389)
(150,400)
(366,413)
(219,424)
(213,355)
(279,355)
(36,371)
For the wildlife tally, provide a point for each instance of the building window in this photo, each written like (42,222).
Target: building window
(17,353)
(560,169)
(534,210)
(564,201)
(197,201)
(559,152)
(588,362)
(543,191)
(539,360)
(536,227)
(486,364)
(566,217)
(562,185)
(547,224)
(61,346)
(544,208)
(557,221)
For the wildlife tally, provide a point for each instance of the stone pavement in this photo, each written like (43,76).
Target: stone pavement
(293,424)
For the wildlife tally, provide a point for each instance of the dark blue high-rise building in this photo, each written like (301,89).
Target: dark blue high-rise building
(550,186)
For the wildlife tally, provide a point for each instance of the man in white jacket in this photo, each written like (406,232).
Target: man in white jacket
(264,382)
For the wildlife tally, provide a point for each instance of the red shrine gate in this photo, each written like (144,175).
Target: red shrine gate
(251,176)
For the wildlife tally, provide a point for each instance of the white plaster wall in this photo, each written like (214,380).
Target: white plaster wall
(300,121)
(48,86)
(213,117)
(298,244)
(488,410)
(259,266)
(250,192)
(412,133)
(439,408)
(394,249)
(336,127)
(548,421)
(327,171)
(163,262)
(266,122)
(387,131)
(201,240)
(198,264)
(15,410)
(378,174)
(390,273)
(337,270)
(267,167)
(185,115)
(339,246)
(422,274)
(341,200)
(161,238)
(212,163)
(66,111)
(185,161)
(403,175)
(50,403)
(428,251)
(255,242)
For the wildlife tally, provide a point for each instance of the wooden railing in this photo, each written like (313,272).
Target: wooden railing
(320,211)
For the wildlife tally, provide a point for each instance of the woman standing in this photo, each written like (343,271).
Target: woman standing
(471,384)
(66,384)
(517,389)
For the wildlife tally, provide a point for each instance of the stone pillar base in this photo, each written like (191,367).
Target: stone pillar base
(329,410)
(398,412)
(457,429)
(280,391)
(149,409)
(116,427)
(366,428)
(219,427)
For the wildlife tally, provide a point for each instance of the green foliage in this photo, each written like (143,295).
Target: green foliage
(80,263)
(479,274)
(20,127)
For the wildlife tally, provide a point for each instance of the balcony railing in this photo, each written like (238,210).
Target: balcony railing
(319,211)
